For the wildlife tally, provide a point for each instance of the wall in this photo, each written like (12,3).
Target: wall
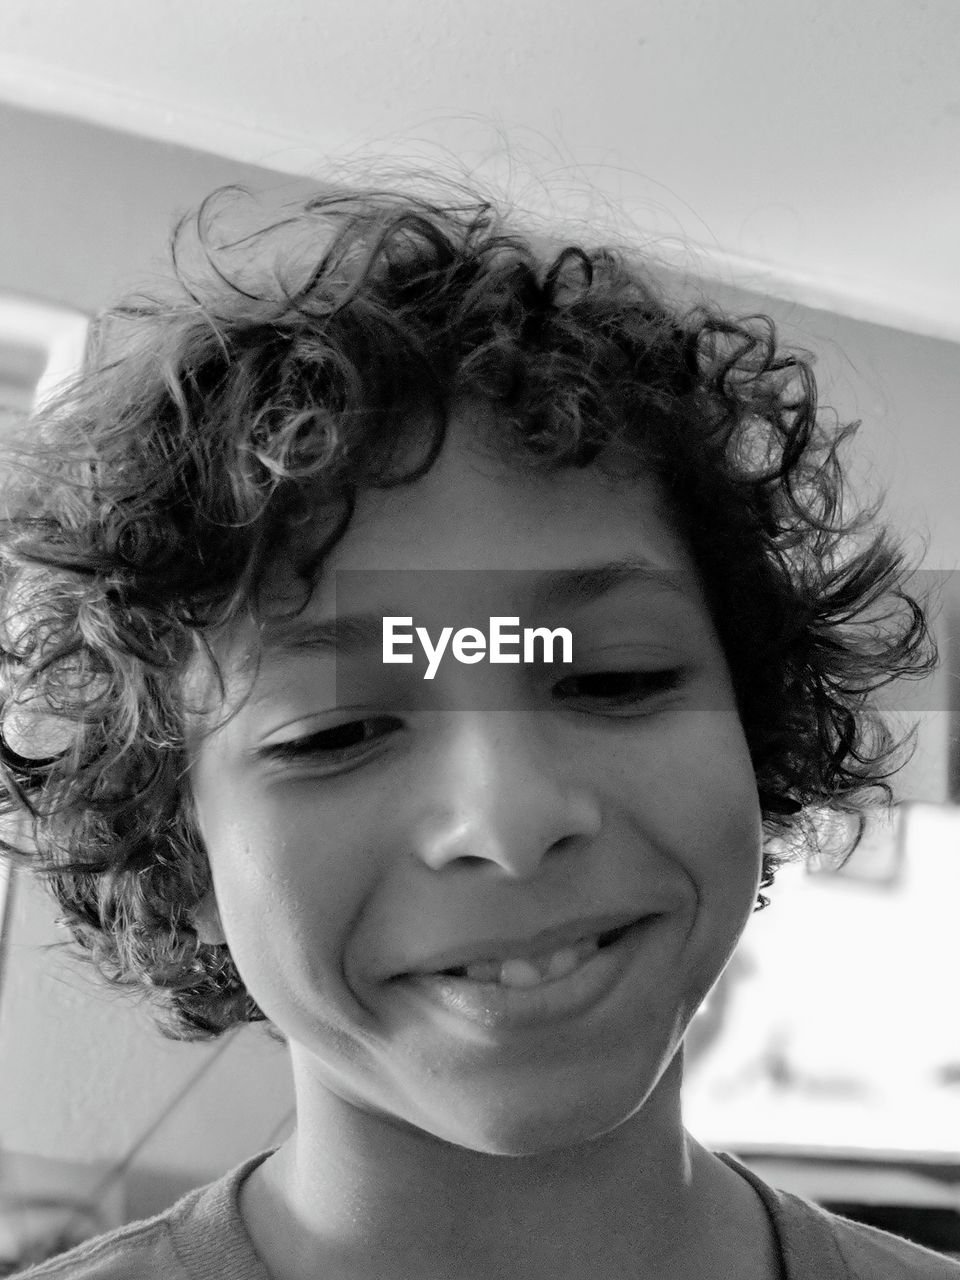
(86,212)
(797,137)
(84,1077)
(83,1074)
(905,391)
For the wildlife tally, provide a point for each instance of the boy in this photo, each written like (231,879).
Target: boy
(481,907)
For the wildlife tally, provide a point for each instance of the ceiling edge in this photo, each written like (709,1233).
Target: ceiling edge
(35,86)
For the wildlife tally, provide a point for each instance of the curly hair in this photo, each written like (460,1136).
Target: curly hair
(273,383)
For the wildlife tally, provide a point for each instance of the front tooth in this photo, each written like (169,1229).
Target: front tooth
(562,962)
(519,973)
(585,948)
(483,971)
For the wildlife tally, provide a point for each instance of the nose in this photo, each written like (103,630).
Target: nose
(498,794)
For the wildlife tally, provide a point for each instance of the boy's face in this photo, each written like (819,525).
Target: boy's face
(455,820)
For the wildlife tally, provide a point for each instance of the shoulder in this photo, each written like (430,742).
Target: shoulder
(141,1249)
(877,1254)
(201,1237)
(817,1245)
(864,1251)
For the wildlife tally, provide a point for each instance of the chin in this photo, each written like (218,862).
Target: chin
(559,1107)
(538,1126)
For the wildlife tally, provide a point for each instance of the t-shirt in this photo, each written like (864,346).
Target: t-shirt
(202,1237)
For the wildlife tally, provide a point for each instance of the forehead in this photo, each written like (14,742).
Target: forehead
(473,510)
(477,535)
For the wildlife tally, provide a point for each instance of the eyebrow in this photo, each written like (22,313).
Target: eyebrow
(568,588)
(357,633)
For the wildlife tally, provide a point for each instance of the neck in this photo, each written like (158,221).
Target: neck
(377,1197)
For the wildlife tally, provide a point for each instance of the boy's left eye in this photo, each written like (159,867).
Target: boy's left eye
(618,690)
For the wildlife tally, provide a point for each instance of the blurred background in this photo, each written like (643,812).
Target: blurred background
(801,159)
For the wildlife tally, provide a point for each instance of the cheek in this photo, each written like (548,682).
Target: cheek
(288,894)
(704,817)
(289,880)
(723,856)
(726,809)
(697,798)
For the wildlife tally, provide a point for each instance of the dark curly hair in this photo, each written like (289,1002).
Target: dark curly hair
(274,381)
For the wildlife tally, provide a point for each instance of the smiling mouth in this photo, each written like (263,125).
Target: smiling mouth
(531,993)
(536,970)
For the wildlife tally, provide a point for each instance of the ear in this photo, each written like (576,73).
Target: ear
(206,918)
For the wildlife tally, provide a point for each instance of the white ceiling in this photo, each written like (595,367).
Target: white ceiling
(809,148)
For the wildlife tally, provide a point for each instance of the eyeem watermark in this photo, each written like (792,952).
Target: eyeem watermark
(470,645)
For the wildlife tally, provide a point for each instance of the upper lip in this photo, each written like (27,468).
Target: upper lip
(551,938)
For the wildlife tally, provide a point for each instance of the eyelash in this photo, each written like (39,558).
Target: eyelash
(325,743)
(365,735)
(640,685)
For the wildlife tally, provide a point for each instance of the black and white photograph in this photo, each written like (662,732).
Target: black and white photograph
(479,640)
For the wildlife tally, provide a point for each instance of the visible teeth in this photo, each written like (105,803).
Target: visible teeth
(585,948)
(519,973)
(530,972)
(562,962)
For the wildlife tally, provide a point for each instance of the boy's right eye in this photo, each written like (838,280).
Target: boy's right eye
(337,745)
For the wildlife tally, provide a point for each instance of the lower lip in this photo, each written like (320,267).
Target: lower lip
(493,1005)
